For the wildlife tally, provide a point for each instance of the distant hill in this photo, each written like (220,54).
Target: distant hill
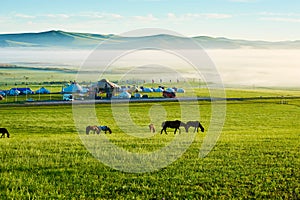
(51,39)
(62,39)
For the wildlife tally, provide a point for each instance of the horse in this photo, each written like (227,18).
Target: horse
(4,131)
(152,128)
(173,124)
(105,129)
(95,129)
(195,124)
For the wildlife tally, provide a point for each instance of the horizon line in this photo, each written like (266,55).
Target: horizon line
(113,34)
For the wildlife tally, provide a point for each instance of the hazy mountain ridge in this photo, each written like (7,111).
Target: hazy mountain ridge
(62,39)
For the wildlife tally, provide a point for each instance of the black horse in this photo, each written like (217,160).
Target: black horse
(105,129)
(195,124)
(173,124)
(4,131)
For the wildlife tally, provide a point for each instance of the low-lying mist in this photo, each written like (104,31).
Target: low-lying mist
(238,67)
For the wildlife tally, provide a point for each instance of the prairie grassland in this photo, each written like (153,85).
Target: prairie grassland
(256,156)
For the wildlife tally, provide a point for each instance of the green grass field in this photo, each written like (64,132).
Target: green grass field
(256,156)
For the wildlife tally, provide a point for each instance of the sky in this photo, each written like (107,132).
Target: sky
(271,20)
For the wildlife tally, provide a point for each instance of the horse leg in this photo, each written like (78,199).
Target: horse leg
(163,129)
(3,135)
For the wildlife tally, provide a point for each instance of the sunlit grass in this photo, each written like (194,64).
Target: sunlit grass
(257,155)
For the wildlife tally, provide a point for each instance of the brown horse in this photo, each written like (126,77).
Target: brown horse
(152,128)
(4,131)
(195,124)
(94,129)
(173,124)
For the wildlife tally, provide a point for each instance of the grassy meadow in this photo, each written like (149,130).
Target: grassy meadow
(256,156)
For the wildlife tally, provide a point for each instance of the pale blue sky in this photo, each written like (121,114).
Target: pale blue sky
(272,20)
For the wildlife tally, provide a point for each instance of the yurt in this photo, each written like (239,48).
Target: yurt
(124,95)
(73,88)
(180,90)
(42,90)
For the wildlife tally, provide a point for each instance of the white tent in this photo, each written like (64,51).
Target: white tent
(42,90)
(124,95)
(170,90)
(73,88)
(180,90)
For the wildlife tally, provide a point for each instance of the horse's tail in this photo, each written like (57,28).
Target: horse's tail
(87,130)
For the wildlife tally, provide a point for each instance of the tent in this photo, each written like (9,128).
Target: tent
(14,92)
(147,90)
(73,88)
(21,91)
(180,90)
(158,90)
(124,95)
(42,90)
(137,95)
(170,90)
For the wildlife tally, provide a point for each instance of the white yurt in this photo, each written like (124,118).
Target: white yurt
(180,90)
(124,95)
(73,88)
(170,90)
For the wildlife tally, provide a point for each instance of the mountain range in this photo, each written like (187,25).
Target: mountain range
(62,39)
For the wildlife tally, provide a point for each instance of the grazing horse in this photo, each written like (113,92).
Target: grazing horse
(105,129)
(152,128)
(4,131)
(95,129)
(173,124)
(195,124)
